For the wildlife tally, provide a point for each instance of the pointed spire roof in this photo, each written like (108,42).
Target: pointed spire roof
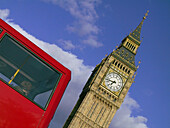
(136,33)
(127,49)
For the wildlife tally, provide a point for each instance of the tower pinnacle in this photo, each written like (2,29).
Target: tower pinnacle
(146,14)
(129,46)
(135,35)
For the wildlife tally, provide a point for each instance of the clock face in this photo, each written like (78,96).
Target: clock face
(113,82)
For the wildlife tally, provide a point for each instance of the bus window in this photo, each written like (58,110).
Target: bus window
(26,72)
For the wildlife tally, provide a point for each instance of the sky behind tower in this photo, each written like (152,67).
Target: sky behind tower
(79,33)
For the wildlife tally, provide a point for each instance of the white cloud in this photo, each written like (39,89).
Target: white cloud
(4,13)
(124,118)
(92,41)
(83,28)
(80,74)
(67,44)
(85,14)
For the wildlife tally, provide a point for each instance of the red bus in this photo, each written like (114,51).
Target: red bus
(31,82)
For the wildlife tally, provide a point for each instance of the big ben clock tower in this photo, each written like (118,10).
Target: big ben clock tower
(107,86)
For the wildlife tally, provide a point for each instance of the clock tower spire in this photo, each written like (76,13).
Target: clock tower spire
(135,35)
(107,86)
(129,45)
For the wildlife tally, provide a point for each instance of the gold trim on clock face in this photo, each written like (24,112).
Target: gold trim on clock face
(113,81)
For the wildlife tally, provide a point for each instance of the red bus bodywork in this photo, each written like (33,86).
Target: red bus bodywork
(17,111)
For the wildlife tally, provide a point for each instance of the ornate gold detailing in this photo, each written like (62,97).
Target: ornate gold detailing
(134,38)
(126,62)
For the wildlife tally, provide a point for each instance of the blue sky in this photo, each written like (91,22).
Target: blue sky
(79,33)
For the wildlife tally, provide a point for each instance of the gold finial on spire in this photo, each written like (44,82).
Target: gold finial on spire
(146,14)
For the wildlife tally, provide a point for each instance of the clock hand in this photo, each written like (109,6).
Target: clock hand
(112,81)
(109,80)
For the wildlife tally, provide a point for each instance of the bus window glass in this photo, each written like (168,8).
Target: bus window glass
(25,72)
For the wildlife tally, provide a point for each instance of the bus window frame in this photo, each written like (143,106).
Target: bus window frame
(41,60)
